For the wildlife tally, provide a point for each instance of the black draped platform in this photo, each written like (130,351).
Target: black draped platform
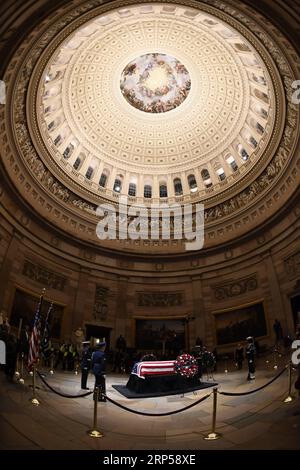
(156,386)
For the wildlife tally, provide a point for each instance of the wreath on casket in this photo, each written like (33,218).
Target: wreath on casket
(186,365)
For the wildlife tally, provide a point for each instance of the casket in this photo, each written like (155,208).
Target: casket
(153,368)
(157,376)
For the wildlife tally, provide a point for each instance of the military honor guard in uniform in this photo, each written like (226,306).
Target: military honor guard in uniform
(250,355)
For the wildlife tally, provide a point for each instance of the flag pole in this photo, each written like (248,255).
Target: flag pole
(45,343)
(17,372)
(34,399)
(34,346)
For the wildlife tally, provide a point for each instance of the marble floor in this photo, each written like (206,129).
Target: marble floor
(258,421)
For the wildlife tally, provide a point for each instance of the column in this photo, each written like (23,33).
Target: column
(81,296)
(197,327)
(185,186)
(6,271)
(125,185)
(274,286)
(170,184)
(98,172)
(85,164)
(121,313)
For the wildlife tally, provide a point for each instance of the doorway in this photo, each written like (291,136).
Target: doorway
(295,304)
(100,332)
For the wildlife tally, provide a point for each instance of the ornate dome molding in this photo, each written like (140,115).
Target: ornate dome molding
(233,207)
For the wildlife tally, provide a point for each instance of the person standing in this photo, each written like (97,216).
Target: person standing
(121,344)
(239,356)
(250,354)
(278,330)
(98,367)
(86,360)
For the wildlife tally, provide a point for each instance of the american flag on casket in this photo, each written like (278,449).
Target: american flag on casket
(146,368)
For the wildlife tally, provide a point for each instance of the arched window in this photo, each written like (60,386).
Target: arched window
(118,185)
(242,47)
(243,152)
(132,189)
(58,140)
(252,141)
(89,172)
(177,186)
(260,129)
(231,161)
(68,151)
(192,183)
(257,126)
(77,163)
(163,190)
(103,180)
(259,79)
(261,95)
(206,178)
(258,109)
(147,191)
(221,174)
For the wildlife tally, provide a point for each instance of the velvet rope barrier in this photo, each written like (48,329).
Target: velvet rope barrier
(238,394)
(167,413)
(60,393)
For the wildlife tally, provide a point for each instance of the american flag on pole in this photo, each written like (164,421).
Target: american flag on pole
(46,334)
(34,341)
(143,369)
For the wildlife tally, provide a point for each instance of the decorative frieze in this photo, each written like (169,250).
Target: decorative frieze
(44,276)
(159,299)
(234,288)
(292,265)
(100,305)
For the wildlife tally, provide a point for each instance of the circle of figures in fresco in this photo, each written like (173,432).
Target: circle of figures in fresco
(155,83)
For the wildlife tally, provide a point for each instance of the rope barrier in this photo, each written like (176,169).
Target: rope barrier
(156,414)
(60,393)
(235,394)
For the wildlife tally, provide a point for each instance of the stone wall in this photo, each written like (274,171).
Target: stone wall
(112,290)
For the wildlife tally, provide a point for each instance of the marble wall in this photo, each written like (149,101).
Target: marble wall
(111,290)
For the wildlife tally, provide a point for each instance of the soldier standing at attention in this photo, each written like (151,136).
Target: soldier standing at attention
(250,353)
(98,366)
(86,360)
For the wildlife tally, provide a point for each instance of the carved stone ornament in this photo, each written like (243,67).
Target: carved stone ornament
(292,265)
(233,289)
(100,305)
(44,276)
(159,299)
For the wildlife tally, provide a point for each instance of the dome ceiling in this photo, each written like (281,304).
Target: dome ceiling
(201,118)
(158,101)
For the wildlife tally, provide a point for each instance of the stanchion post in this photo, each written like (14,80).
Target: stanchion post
(289,398)
(21,378)
(94,432)
(213,435)
(275,358)
(17,373)
(34,399)
(51,371)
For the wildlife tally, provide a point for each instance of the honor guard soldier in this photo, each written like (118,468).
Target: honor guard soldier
(86,360)
(98,367)
(250,353)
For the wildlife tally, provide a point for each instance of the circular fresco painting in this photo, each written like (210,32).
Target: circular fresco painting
(155,83)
